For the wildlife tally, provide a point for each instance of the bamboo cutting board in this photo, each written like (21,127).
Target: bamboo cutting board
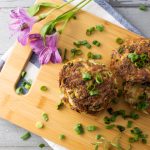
(26,110)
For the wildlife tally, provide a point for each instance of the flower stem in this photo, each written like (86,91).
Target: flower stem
(75,10)
(83,5)
(74,7)
(43,16)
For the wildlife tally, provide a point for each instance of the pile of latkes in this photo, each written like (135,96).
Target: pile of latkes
(90,87)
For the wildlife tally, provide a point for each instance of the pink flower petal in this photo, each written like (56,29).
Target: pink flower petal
(22,24)
(51,40)
(23,37)
(45,56)
(56,58)
(36,43)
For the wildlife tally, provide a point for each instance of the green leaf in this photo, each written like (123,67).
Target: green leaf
(33,10)
(48,28)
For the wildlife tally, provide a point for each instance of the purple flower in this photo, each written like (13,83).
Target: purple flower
(21,24)
(46,50)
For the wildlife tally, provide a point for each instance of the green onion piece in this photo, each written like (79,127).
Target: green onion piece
(133,57)
(75,52)
(44,88)
(91,128)
(139,60)
(143,7)
(88,46)
(60,105)
(100,28)
(86,76)
(138,136)
(110,126)
(120,41)
(99,78)
(107,120)
(142,105)
(23,74)
(90,55)
(79,128)
(27,86)
(45,116)
(129,124)
(26,136)
(94,92)
(134,116)
(62,136)
(80,43)
(98,137)
(41,145)
(120,128)
(131,140)
(39,125)
(60,51)
(77,44)
(96,43)
(19,91)
(90,31)
(120,50)
(84,42)
(65,56)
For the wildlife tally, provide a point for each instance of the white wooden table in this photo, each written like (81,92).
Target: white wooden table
(10,134)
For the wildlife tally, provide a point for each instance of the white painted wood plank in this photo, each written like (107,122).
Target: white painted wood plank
(138,18)
(27,3)
(128,3)
(16,3)
(24,148)
(10,136)
(5,38)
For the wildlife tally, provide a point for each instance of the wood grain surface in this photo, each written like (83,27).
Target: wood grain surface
(9,134)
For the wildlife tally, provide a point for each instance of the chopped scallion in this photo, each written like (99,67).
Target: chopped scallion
(62,136)
(44,88)
(45,116)
(79,128)
(129,124)
(96,43)
(23,74)
(98,137)
(41,145)
(91,128)
(120,41)
(19,91)
(143,7)
(100,28)
(60,105)
(26,136)
(86,76)
(39,125)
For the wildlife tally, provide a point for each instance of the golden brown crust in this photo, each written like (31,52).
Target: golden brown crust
(122,66)
(135,79)
(73,86)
